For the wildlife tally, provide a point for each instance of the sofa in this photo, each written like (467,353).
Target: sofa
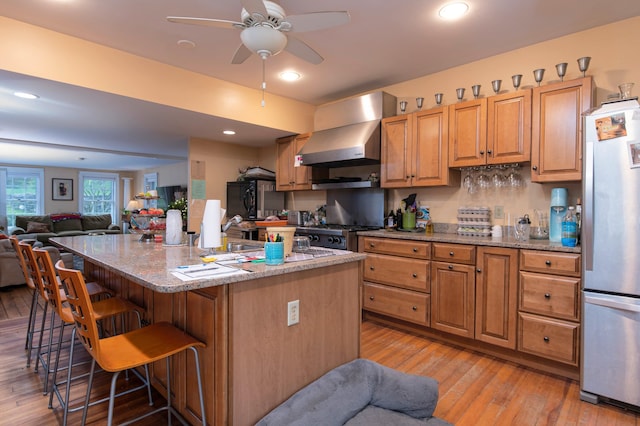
(10,270)
(359,393)
(42,228)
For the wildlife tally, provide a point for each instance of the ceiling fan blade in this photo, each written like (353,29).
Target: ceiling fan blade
(241,55)
(302,50)
(317,21)
(207,22)
(255,6)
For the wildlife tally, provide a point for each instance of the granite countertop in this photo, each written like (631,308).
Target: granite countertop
(150,264)
(508,242)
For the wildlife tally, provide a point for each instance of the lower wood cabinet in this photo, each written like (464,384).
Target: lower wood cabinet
(396,302)
(520,304)
(549,305)
(496,296)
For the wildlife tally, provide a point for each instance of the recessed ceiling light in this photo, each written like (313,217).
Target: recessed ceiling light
(453,11)
(289,76)
(25,95)
(186,44)
(229,132)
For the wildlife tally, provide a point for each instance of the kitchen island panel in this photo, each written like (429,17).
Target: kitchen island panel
(269,360)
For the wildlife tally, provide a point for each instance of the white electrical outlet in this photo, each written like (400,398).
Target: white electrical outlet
(293,312)
(498,212)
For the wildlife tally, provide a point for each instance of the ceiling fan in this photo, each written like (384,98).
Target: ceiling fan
(266,29)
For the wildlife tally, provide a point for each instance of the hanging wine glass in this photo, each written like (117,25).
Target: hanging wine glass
(468,182)
(583,64)
(482,179)
(498,178)
(562,70)
(538,75)
(516,79)
(514,178)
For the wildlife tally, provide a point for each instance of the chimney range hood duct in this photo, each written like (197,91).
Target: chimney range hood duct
(348,133)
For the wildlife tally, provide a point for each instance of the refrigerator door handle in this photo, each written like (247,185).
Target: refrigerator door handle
(588,211)
(602,301)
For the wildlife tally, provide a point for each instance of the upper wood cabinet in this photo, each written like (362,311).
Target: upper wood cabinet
(509,128)
(556,144)
(414,149)
(493,130)
(290,175)
(468,133)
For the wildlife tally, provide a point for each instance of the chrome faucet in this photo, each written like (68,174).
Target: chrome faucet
(234,220)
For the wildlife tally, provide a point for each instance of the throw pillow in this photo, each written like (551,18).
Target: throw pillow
(34,227)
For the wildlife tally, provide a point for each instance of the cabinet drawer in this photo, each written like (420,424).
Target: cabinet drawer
(398,271)
(550,295)
(402,304)
(457,253)
(550,262)
(549,338)
(415,249)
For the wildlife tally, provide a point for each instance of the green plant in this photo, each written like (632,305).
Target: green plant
(180,204)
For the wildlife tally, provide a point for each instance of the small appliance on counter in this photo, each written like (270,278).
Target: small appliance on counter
(557,211)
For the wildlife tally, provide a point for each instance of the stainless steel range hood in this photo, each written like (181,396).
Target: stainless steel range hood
(348,133)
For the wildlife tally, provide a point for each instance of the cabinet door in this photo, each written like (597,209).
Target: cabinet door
(556,135)
(509,128)
(284,167)
(301,174)
(429,165)
(496,296)
(468,133)
(395,152)
(290,175)
(452,298)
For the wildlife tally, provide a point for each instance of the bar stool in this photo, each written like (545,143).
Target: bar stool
(28,343)
(56,297)
(29,269)
(129,350)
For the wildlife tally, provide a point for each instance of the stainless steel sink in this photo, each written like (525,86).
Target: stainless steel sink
(236,247)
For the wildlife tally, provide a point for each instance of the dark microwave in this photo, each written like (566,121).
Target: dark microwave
(254,199)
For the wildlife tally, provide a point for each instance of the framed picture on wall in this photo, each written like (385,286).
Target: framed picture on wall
(62,189)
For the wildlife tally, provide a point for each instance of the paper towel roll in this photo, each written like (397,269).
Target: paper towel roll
(174,228)
(210,228)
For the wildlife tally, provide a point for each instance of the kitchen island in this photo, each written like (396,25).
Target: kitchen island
(253,360)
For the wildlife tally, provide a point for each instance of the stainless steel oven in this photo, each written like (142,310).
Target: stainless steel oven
(339,237)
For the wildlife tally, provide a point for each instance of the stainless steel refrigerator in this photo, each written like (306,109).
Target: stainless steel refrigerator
(611,254)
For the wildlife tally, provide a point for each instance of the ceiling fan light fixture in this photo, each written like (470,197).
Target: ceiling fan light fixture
(289,76)
(453,11)
(265,41)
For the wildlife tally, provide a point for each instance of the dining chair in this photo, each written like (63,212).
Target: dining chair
(129,350)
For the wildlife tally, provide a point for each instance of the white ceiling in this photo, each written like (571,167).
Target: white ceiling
(386,42)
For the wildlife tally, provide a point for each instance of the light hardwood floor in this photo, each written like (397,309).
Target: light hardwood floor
(474,389)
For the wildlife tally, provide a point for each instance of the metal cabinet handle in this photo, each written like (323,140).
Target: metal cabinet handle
(372,245)
(414,275)
(451,253)
(450,266)
(548,263)
(372,268)
(546,339)
(415,250)
(371,297)
(415,308)
(479,270)
(489,152)
(481,152)
(547,295)
(535,168)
